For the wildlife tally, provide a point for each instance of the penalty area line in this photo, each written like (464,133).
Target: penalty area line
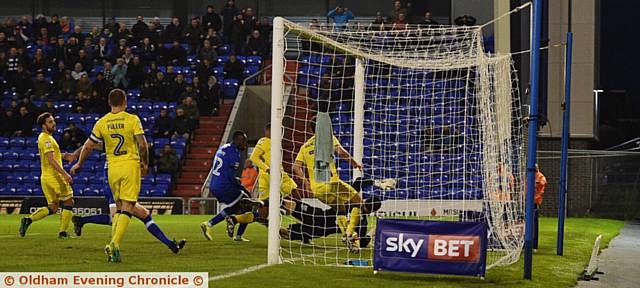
(18,236)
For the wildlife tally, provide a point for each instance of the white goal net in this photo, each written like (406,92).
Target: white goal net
(434,121)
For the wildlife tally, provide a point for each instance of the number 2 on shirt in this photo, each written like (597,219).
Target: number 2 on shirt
(117,151)
(217,164)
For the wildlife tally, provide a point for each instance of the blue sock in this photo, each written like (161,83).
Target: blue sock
(153,228)
(102,219)
(218,218)
(241,228)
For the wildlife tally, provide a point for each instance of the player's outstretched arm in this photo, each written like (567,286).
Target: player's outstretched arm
(58,168)
(70,157)
(344,154)
(84,153)
(297,170)
(143,149)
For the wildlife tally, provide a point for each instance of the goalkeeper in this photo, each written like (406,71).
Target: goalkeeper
(334,192)
(317,222)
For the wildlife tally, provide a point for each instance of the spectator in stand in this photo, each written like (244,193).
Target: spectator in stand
(251,19)
(4,43)
(118,51)
(378,21)
(58,52)
(211,19)
(265,29)
(239,32)
(135,73)
(183,126)
(32,108)
(256,45)
(147,51)
(233,68)
(78,71)
(25,26)
(39,61)
(102,51)
(41,86)
(158,26)
(211,94)
(9,123)
(67,87)
(249,175)
(188,93)
(84,59)
(341,16)
(177,87)
(120,74)
(127,56)
(190,111)
(204,69)
(194,35)
(176,55)
(428,19)
(214,38)
(401,22)
(49,107)
(77,33)
(163,87)
(66,26)
(123,33)
(108,35)
(229,11)
(94,35)
(173,32)
(541,183)
(13,61)
(77,135)
(84,86)
(153,34)
(139,29)
(108,71)
(101,88)
(465,20)
(164,126)
(72,49)
(207,52)
(66,142)
(20,80)
(168,162)
(25,123)
(397,10)
(148,90)
(54,26)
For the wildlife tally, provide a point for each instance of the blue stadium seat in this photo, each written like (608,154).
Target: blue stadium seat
(224,49)
(17,142)
(163,179)
(230,88)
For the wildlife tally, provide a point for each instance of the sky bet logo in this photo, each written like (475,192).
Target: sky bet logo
(432,247)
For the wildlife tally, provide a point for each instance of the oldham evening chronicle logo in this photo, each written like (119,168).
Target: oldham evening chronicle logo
(432,247)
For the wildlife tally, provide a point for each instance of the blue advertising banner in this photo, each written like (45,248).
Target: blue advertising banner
(435,247)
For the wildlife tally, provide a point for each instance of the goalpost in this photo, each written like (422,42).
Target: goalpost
(434,121)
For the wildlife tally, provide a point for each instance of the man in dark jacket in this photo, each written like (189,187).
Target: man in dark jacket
(233,68)
(139,29)
(211,19)
(168,161)
(164,125)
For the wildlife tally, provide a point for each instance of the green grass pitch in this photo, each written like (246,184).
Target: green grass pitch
(40,250)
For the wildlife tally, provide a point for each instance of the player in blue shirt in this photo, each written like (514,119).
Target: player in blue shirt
(139,211)
(226,186)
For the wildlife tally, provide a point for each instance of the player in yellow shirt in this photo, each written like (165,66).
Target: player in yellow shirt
(335,193)
(127,157)
(56,183)
(261,157)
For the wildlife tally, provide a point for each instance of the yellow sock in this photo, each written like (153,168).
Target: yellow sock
(121,227)
(65,219)
(244,218)
(341,220)
(114,223)
(354,219)
(40,213)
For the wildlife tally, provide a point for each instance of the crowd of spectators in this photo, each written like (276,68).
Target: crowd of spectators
(53,59)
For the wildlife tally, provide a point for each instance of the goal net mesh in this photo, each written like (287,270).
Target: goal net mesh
(439,130)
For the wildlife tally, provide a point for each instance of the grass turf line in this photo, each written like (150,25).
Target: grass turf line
(41,251)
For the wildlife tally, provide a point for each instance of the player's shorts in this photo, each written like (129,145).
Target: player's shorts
(229,195)
(124,180)
(286,186)
(55,189)
(108,195)
(334,192)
